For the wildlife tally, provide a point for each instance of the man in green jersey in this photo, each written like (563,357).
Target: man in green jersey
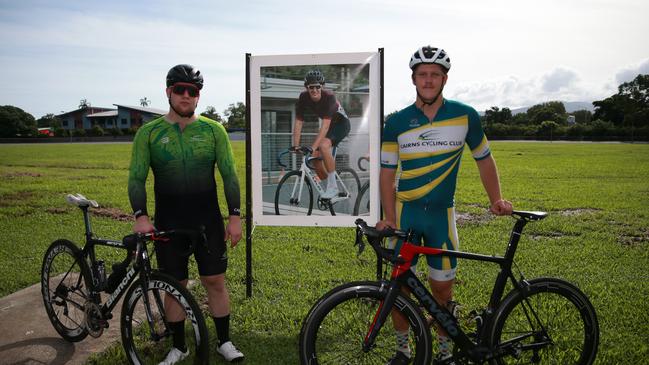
(426,141)
(183,149)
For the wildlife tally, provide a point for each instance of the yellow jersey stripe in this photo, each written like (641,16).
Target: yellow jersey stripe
(426,169)
(421,191)
(413,156)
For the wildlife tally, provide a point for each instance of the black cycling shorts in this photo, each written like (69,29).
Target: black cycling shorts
(173,255)
(338,130)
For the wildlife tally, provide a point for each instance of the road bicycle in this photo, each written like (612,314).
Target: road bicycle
(362,202)
(295,191)
(542,320)
(73,280)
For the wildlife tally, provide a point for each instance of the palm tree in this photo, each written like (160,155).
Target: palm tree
(84,103)
(145,102)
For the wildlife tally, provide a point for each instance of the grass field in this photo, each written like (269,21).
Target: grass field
(597,236)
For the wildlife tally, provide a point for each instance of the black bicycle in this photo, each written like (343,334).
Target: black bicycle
(542,320)
(73,280)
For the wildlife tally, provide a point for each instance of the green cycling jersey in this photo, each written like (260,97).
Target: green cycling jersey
(183,162)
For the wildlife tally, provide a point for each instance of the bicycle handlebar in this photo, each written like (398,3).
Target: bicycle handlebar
(361,159)
(306,151)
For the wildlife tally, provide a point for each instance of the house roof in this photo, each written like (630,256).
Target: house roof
(109,113)
(142,109)
(90,110)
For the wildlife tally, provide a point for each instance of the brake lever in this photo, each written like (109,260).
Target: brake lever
(359,241)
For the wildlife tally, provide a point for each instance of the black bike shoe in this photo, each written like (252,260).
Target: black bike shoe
(399,359)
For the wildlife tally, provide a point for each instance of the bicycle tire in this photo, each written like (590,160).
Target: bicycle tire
(334,329)
(353,184)
(361,197)
(64,287)
(561,310)
(139,344)
(284,199)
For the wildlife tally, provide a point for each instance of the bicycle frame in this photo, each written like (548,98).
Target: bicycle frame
(402,276)
(141,266)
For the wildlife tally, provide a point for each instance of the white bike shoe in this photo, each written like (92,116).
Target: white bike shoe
(229,352)
(330,193)
(174,356)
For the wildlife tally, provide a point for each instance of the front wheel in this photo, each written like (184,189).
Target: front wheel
(148,342)
(64,286)
(294,195)
(550,321)
(335,328)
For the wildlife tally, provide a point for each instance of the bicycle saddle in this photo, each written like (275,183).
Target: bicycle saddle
(81,201)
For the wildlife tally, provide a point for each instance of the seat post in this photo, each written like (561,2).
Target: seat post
(86,221)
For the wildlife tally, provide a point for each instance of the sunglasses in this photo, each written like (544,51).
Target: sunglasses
(180,90)
(314,87)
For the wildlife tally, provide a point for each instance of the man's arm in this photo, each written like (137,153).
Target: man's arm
(297,131)
(388,198)
(227,168)
(489,176)
(138,172)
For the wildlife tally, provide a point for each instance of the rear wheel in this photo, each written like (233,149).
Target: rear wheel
(294,196)
(549,322)
(149,343)
(65,289)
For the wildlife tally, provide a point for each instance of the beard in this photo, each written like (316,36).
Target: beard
(187,113)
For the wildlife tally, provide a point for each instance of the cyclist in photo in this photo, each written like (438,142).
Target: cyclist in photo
(426,139)
(183,149)
(334,128)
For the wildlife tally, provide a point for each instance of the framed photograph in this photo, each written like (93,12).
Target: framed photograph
(315,138)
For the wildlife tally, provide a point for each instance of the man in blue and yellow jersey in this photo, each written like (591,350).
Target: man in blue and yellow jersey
(426,141)
(183,149)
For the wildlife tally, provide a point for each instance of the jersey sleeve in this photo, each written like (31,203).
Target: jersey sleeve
(299,107)
(227,168)
(138,172)
(389,146)
(476,139)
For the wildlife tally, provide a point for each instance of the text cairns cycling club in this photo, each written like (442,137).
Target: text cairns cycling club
(431,144)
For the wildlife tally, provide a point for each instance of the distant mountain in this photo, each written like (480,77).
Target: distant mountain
(570,106)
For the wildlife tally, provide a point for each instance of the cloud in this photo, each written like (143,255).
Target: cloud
(557,79)
(628,74)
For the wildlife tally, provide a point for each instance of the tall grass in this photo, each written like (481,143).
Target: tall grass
(596,236)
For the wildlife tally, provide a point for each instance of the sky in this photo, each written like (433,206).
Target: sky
(503,53)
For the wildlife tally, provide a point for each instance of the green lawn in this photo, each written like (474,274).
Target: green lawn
(596,236)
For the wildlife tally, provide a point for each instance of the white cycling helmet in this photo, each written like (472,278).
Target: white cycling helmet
(428,54)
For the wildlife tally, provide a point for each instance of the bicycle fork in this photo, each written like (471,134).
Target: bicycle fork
(385,307)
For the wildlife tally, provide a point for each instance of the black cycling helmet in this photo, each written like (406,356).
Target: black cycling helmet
(314,77)
(185,73)
(428,54)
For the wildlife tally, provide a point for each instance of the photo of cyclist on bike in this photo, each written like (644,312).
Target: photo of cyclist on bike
(183,149)
(426,139)
(334,128)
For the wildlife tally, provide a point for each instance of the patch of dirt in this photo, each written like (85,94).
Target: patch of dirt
(16,198)
(638,239)
(56,210)
(465,218)
(13,175)
(113,213)
(548,235)
(577,211)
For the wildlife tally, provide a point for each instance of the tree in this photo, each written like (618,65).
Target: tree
(49,120)
(629,107)
(583,116)
(16,122)
(497,115)
(145,102)
(84,103)
(552,110)
(235,116)
(210,112)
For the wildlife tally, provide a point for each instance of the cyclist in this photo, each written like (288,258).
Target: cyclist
(182,149)
(427,139)
(335,127)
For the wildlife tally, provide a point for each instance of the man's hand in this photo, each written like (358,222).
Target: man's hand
(233,230)
(501,207)
(143,225)
(381,225)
